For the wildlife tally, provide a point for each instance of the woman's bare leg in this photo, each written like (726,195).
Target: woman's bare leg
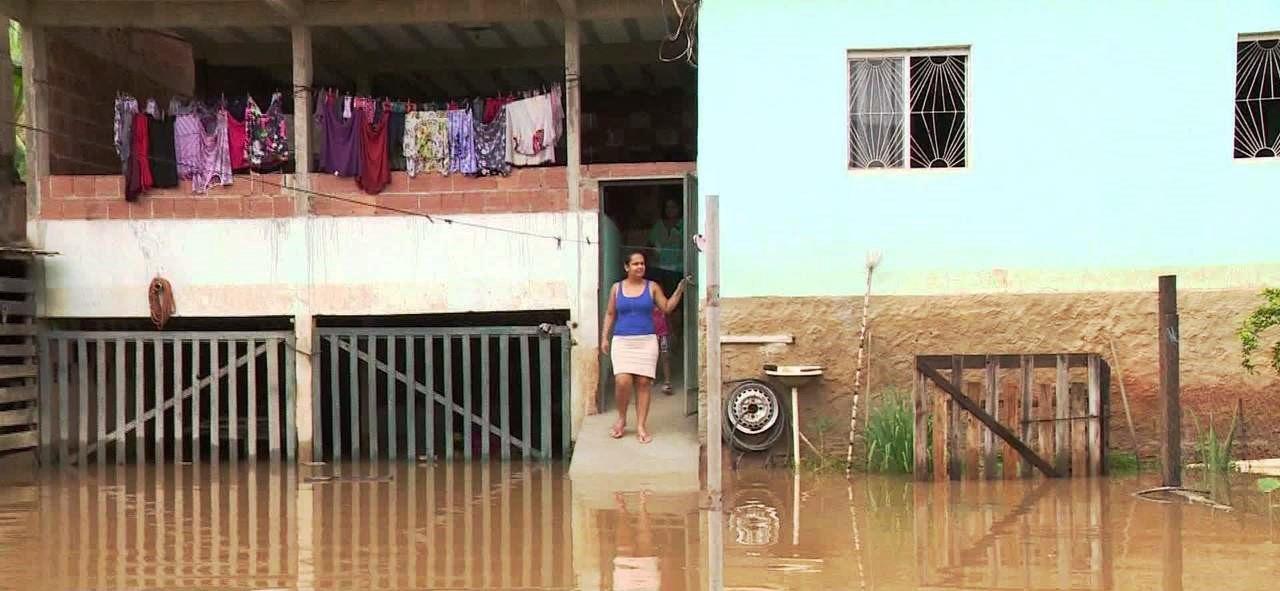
(622,387)
(644,386)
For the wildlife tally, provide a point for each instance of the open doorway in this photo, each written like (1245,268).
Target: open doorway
(658,217)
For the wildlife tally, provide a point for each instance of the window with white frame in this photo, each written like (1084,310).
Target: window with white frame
(907,109)
(1258,97)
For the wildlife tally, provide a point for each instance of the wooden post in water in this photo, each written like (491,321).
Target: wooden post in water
(1170,406)
(715,513)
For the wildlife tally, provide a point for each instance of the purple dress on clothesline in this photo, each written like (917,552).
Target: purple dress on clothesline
(340,153)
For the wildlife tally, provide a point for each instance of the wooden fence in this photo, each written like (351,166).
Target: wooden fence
(1054,421)
(18,416)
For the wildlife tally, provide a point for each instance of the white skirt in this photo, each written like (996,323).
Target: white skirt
(636,355)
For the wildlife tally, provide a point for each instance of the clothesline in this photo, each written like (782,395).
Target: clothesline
(357,136)
(559,240)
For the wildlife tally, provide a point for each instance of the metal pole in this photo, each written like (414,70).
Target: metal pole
(1170,406)
(715,514)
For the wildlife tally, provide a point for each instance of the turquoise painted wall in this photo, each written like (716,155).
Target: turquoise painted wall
(1100,140)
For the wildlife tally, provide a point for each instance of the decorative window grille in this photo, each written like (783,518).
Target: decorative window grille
(1258,97)
(907,109)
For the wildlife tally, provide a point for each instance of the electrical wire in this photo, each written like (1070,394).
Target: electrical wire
(686,26)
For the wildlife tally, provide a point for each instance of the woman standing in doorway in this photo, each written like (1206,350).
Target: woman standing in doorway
(634,346)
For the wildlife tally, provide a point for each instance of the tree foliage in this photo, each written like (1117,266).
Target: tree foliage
(1265,317)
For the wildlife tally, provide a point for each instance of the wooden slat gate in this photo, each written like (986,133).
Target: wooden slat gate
(17,357)
(181,396)
(413,393)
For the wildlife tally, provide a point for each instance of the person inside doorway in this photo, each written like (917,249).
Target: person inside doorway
(666,237)
(630,339)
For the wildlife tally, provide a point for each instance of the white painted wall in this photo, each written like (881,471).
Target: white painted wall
(307,266)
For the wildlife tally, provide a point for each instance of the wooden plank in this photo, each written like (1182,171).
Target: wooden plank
(1062,410)
(16,285)
(100,392)
(1026,386)
(954,421)
(215,400)
(139,403)
(1169,396)
(972,436)
(371,398)
(24,350)
(158,391)
(273,399)
(197,450)
(544,364)
(17,330)
(504,394)
(82,418)
(447,368)
(64,402)
(392,362)
(484,400)
(411,401)
(1094,436)
(45,402)
(353,395)
(467,428)
(334,392)
(252,401)
(941,425)
(121,399)
(18,417)
(179,447)
(1010,415)
(431,403)
(991,384)
(1044,414)
(10,394)
(920,428)
(10,372)
(23,440)
(1000,430)
(233,402)
(1105,419)
(290,431)
(18,308)
(526,401)
(1006,360)
(1079,451)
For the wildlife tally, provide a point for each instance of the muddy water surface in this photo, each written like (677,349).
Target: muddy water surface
(514,526)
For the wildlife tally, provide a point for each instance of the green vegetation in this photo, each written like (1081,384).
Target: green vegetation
(1215,452)
(826,462)
(889,433)
(1268,485)
(1266,316)
(1123,462)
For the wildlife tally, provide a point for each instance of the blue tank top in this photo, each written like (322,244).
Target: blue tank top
(635,315)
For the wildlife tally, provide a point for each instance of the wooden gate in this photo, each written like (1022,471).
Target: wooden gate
(1054,421)
(416,393)
(17,355)
(182,396)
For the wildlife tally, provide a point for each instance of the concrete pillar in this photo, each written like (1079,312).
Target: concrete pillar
(303,329)
(35,87)
(302,101)
(584,356)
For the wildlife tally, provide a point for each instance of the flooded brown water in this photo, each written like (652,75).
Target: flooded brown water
(494,526)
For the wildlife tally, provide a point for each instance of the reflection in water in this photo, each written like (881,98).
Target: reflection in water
(514,526)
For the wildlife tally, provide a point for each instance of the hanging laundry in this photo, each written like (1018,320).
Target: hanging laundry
(340,153)
(375,170)
(462,144)
(125,107)
(492,146)
(161,152)
(187,139)
(268,135)
(237,140)
(138,173)
(533,131)
(426,142)
(395,136)
(215,156)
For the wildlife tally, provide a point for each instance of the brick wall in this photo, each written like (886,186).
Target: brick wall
(252,196)
(87,68)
